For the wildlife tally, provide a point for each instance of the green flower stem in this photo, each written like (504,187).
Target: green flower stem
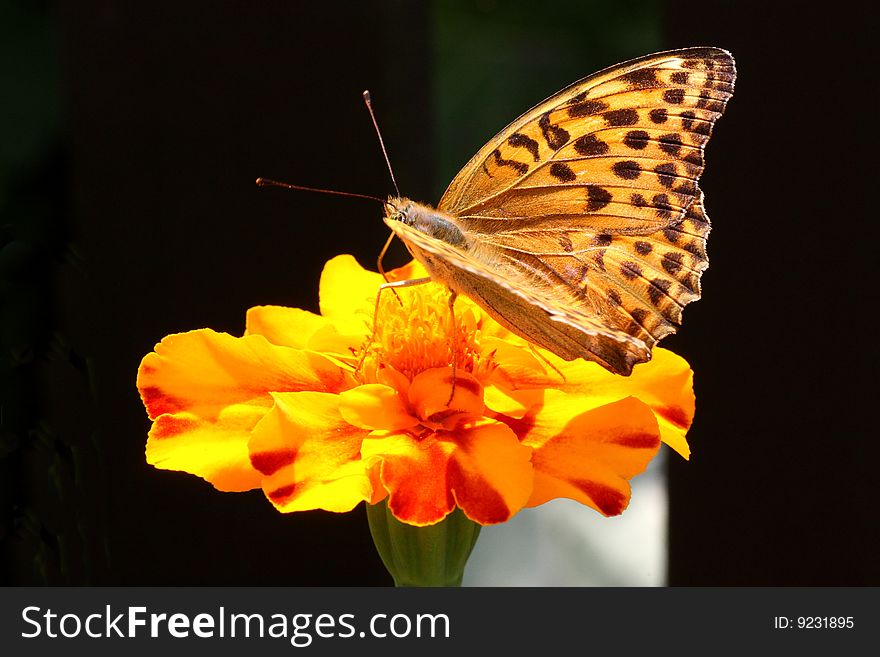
(423,556)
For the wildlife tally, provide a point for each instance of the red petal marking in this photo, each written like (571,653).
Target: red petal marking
(279,495)
(158,403)
(521,427)
(675,415)
(270,462)
(418,488)
(167,426)
(638,440)
(470,385)
(486,507)
(610,501)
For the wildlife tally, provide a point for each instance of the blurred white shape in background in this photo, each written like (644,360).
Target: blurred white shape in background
(564,543)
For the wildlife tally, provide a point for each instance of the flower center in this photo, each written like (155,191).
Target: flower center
(417,332)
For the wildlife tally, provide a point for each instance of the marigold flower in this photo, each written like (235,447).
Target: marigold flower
(326,411)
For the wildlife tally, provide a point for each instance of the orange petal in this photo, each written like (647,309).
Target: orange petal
(309,455)
(375,406)
(202,372)
(429,394)
(665,383)
(589,457)
(411,270)
(389,376)
(414,473)
(294,327)
(483,468)
(490,474)
(214,450)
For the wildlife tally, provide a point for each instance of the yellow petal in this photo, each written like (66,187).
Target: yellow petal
(348,292)
(202,372)
(375,406)
(517,365)
(214,450)
(288,327)
(294,327)
(309,455)
(513,403)
(590,456)
(665,383)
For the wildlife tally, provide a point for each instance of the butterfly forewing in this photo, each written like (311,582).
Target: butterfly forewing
(620,150)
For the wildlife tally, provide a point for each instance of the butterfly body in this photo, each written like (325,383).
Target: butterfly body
(580,226)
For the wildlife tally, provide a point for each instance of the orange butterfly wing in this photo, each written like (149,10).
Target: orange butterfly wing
(592,198)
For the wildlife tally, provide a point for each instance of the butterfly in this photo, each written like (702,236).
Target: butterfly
(580,226)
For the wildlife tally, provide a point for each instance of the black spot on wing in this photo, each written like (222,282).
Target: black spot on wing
(597,198)
(666,173)
(662,205)
(643,78)
(630,270)
(671,234)
(658,115)
(586,107)
(562,172)
(626,169)
(689,121)
(670,143)
(674,96)
(590,145)
(636,139)
(523,141)
(621,117)
(672,262)
(694,158)
(555,136)
(520,167)
(696,249)
(657,289)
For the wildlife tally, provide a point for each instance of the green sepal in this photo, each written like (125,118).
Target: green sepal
(423,556)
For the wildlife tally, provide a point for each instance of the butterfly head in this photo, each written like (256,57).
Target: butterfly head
(399,209)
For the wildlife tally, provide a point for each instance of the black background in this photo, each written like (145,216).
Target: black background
(140,219)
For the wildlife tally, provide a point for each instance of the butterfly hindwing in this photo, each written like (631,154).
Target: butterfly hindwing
(527,308)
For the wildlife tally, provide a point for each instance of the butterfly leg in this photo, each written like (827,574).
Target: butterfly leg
(553,367)
(381,269)
(391,285)
(452,297)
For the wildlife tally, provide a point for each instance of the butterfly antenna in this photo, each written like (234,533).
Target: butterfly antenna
(265,182)
(381,142)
